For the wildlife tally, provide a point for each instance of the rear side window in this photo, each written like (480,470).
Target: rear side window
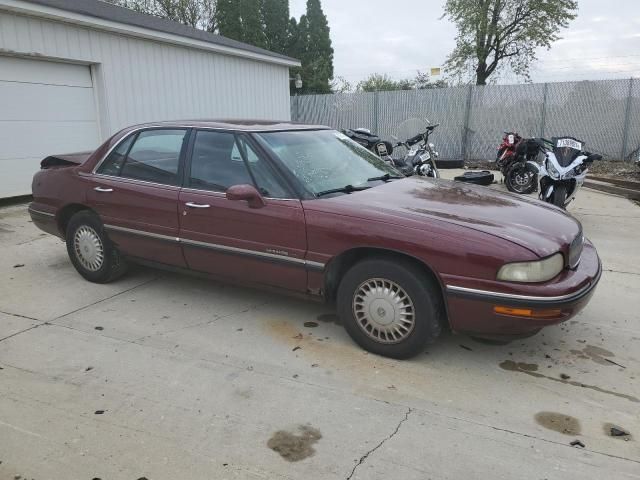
(113,163)
(153,157)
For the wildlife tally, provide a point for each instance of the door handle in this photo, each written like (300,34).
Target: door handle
(102,189)
(197,205)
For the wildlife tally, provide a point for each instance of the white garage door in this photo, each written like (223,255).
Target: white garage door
(45,108)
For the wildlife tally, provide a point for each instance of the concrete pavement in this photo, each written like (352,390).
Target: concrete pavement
(163,376)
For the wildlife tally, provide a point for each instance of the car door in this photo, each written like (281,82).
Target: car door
(135,191)
(229,238)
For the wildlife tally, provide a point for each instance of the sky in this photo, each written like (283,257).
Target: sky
(602,42)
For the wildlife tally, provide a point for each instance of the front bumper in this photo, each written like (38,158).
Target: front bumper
(472,310)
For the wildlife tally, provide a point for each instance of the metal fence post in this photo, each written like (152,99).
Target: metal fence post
(465,128)
(543,119)
(297,109)
(375,112)
(627,120)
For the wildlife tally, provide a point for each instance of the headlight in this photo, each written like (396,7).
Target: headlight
(531,272)
(553,171)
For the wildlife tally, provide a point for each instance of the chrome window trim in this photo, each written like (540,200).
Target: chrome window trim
(223,194)
(222,248)
(137,181)
(184,126)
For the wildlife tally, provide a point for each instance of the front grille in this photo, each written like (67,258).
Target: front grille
(575,250)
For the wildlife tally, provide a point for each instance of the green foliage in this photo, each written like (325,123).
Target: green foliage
(229,20)
(382,82)
(317,56)
(275,14)
(494,34)
(195,13)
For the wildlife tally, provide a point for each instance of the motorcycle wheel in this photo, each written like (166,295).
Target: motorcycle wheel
(521,178)
(559,195)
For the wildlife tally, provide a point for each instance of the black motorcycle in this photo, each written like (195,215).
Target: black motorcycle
(421,155)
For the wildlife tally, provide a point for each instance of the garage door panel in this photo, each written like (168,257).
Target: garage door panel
(25,101)
(45,108)
(39,139)
(18,69)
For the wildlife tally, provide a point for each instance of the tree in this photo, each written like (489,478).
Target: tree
(195,13)
(503,33)
(341,85)
(229,20)
(423,82)
(275,14)
(252,24)
(317,57)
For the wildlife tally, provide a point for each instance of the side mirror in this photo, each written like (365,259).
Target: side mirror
(246,192)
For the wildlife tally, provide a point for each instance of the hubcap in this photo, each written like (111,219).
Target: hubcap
(88,248)
(383,310)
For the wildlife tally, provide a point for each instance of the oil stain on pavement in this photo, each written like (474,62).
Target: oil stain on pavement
(558,422)
(512,366)
(295,447)
(597,354)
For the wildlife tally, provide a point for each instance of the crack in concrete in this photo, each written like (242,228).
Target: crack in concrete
(619,271)
(22,331)
(21,316)
(200,324)
(389,437)
(108,298)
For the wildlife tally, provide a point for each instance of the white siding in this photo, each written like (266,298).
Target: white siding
(137,80)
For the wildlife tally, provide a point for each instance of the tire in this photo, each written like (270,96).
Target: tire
(515,179)
(92,253)
(484,177)
(559,195)
(422,303)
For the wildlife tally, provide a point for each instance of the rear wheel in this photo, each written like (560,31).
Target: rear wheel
(90,250)
(559,195)
(390,307)
(521,178)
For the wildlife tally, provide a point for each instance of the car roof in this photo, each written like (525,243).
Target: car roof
(245,125)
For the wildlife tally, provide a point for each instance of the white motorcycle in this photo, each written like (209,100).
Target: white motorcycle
(563,170)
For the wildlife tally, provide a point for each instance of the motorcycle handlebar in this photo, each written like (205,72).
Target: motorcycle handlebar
(414,140)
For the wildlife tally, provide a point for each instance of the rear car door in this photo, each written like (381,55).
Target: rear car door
(135,191)
(228,238)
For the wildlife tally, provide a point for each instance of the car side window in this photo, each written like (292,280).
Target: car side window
(113,163)
(155,156)
(262,171)
(216,163)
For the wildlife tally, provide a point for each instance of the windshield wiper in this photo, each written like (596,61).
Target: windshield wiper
(385,178)
(345,189)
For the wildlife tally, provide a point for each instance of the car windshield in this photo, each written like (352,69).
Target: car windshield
(327,160)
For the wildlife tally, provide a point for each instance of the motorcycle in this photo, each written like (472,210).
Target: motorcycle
(421,155)
(564,169)
(371,142)
(507,151)
(518,177)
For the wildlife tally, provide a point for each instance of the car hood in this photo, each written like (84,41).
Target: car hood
(414,201)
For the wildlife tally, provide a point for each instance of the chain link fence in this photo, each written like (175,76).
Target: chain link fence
(605,114)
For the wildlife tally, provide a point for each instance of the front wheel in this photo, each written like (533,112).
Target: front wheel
(521,178)
(559,195)
(390,307)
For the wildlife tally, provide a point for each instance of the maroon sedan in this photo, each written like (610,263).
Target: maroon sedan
(306,210)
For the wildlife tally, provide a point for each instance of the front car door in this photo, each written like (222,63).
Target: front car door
(135,191)
(228,238)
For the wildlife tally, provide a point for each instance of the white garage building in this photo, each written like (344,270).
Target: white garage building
(73,72)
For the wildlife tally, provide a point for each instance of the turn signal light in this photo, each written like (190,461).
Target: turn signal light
(528,312)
